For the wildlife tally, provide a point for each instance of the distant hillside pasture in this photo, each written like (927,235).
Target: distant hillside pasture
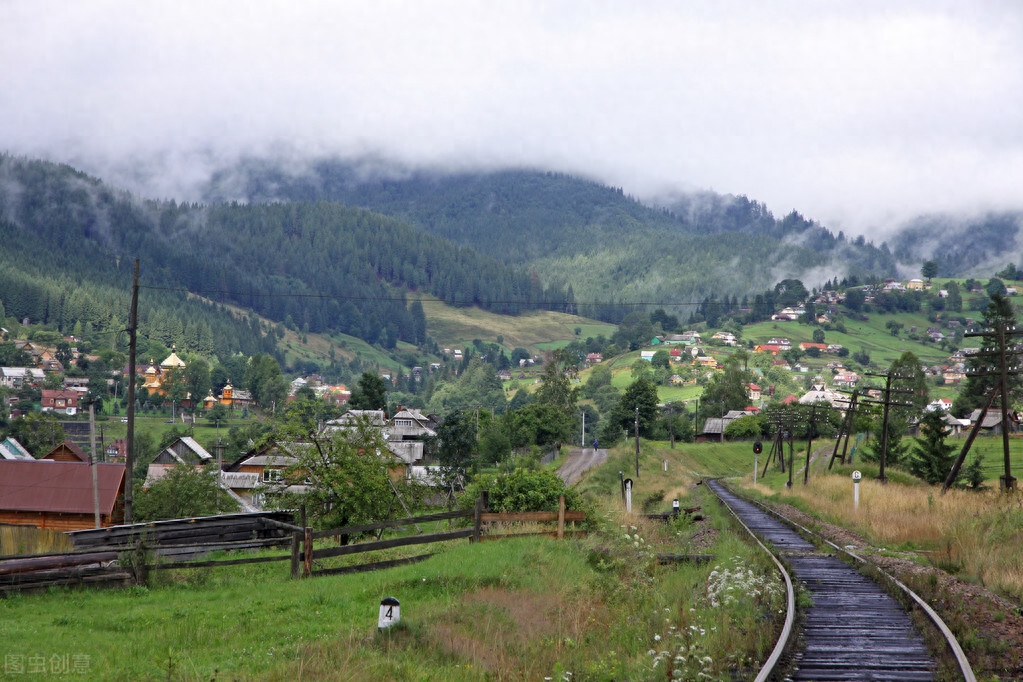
(454,327)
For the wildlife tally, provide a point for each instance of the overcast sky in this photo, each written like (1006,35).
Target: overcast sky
(857,113)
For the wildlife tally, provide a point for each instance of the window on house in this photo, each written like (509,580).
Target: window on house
(271,475)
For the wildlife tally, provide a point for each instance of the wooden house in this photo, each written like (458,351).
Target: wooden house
(67,452)
(59,495)
(185,451)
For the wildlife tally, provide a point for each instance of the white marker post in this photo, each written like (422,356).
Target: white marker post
(628,495)
(856,490)
(675,508)
(390,613)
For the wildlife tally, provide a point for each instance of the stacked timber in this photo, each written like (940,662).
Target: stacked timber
(187,538)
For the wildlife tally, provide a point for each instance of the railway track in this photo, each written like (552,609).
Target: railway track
(854,629)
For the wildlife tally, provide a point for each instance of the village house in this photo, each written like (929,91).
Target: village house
(11,449)
(16,377)
(60,401)
(59,495)
(754,392)
(594,358)
(726,338)
(845,378)
(406,434)
(819,393)
(66,452)
(185,451)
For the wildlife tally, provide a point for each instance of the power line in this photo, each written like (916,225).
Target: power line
(209,293)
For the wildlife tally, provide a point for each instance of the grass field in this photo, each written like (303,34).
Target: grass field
(457,327)
(595,608)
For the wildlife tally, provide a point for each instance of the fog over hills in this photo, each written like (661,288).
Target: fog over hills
(860,116)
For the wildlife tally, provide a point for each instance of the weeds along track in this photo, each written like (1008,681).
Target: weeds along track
(854,630)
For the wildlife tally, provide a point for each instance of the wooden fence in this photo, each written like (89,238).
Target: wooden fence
(16,540)
(124,554)
(304,553)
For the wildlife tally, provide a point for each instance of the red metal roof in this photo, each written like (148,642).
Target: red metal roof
(61,487)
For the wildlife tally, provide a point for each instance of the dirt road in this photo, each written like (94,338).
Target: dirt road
(580,460)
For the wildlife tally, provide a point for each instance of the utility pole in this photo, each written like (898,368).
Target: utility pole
(888,403)
(583,444)
(722,421)
(129,460)
(92,460)
(671,424)
(1008,364)
(637,442)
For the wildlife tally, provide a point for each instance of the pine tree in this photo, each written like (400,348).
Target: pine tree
(931,458)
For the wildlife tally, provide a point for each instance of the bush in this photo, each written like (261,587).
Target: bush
(750,426)
(521,490)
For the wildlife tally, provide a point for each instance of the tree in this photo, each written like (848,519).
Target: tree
(555,388)
(266,382)
(539,424)
(64,354)
(38,432)
(369,394)
(818,335)
(931,458)
(954,302)
(457,452)
(185,492)
(217,414)
(661,359)
(909,376)
(197,379)
(929,270)
(896,449)
(728,389)
(641,393)
(995,286)
(790,292)
(342,474)
(600,375)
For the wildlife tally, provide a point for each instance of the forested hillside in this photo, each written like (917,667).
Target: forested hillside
(320,267)
(608,246)
(963,247)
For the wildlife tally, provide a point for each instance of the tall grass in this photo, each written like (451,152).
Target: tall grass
(978,535)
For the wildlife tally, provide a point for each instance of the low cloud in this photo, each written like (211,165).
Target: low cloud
(858,115)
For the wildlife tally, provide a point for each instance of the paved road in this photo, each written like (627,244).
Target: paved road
(579,461)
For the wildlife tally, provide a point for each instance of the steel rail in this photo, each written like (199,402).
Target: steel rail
(953,644)
(790,603)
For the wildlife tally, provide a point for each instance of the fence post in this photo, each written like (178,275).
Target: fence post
(296,541)
(476,519)
(561,517)
(308,571)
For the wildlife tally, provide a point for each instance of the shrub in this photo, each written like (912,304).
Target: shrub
(521,490)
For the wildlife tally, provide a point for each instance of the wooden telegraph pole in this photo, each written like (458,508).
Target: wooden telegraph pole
(129,460)
(994,344)
(637,442)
